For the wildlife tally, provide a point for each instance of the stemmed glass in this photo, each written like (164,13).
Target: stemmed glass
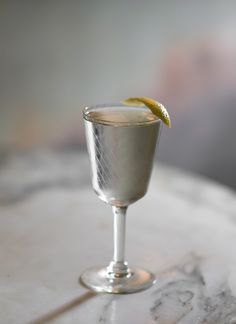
(121,143)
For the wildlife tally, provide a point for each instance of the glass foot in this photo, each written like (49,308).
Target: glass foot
(98,280)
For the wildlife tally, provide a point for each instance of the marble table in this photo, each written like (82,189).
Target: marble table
(52,227)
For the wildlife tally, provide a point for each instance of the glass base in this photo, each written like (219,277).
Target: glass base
(97,279)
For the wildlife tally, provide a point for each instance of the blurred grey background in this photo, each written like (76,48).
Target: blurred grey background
(58,56)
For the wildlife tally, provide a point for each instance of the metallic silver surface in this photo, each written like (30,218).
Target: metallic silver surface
(121,159)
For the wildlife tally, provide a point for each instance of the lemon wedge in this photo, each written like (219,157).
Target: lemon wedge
(156,107)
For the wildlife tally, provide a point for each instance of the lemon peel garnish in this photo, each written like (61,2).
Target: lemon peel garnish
(156,107)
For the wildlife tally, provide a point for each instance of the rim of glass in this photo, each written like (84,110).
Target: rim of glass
(92,108)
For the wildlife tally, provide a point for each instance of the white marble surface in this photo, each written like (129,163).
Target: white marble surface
(52,227)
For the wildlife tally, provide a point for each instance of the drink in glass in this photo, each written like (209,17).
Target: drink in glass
(121,143)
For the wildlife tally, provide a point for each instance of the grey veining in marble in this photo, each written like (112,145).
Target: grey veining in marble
(52,227)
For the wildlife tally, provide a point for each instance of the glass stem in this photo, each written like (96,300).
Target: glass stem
(119,233)
(118,267)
